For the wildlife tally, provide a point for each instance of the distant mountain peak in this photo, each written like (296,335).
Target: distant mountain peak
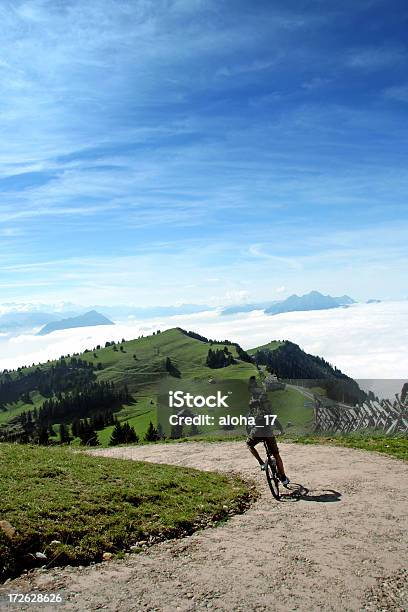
(89,319)
(314,300)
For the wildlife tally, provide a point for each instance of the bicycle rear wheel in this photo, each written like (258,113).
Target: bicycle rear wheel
(272,478)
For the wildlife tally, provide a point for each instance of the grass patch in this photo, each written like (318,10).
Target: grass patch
(93,505)
(270,346)
(396,446)
(289,405)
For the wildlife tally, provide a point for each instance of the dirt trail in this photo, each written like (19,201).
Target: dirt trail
(344,548)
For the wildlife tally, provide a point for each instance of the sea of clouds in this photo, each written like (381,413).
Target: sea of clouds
(366,341)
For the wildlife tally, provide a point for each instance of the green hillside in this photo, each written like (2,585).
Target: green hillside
(270,346)
(290,363)
(121,382)
(138,365)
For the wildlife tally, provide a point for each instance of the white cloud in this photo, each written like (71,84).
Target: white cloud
(366,341)
(10,232)
(398,92)
(236,296)
(375,58)
(255,66)
(258,250)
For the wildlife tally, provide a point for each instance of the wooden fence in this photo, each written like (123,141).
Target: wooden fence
(386,416)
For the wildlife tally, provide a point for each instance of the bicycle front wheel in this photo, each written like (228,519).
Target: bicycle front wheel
(272,478)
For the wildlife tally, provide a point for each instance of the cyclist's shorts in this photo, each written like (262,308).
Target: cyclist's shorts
(270,440)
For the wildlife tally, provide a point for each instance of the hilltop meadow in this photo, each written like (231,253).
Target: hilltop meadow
(120,382)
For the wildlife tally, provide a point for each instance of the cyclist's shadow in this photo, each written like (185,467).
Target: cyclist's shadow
(298,492)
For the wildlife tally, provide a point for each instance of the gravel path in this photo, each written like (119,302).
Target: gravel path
(344,546)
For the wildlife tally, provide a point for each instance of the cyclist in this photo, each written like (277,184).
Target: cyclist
(259,406)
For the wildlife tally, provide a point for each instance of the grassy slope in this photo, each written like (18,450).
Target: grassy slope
(272,346)
(141,366)
(18,407)
(94,504)
(143,373)
(289,406)
(396,446)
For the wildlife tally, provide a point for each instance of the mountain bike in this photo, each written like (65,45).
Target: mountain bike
(272,473)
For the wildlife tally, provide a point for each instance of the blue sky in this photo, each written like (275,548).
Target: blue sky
(202,151)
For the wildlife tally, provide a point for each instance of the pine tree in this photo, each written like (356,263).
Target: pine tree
(220,358)
(75,426)
(243,355)
(129,434)
(152,434)
(88,435)
(171,368)
(64,434)
(117,435)
(43,437)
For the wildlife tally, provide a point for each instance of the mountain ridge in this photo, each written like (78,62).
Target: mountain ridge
(314,300)
(309,301)
(88,319)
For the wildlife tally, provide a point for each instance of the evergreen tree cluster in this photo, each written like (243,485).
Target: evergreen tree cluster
(219,358)
(152,434)
(243,355)
(89,410)
(289,362)
(36,430)
(194,335)
(98,421)
(96,397)
(86,432)
(64,375)
(64,435)
(123,434)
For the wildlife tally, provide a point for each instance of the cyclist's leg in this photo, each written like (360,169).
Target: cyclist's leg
(251,443)
(274,450)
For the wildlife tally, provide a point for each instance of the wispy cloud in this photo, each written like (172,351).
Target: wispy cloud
(377,58)
(126,127)
(10,232)
(254,66)
(398,92)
